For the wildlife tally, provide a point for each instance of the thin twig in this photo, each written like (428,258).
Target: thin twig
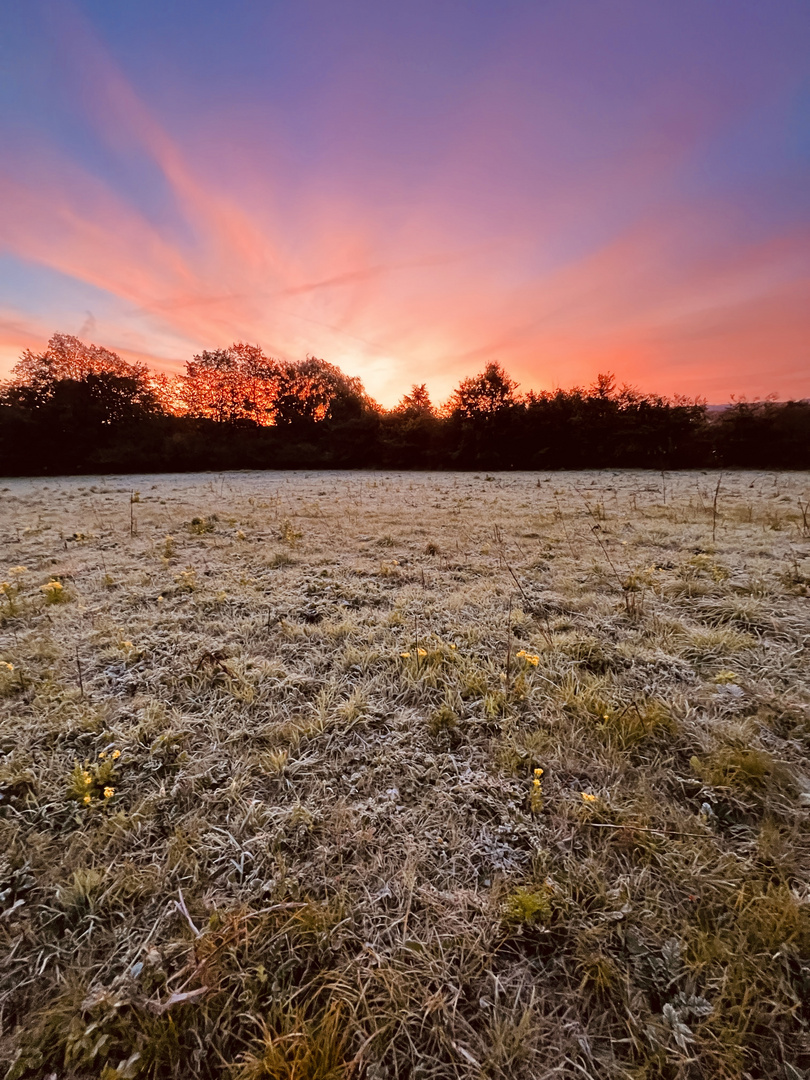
(508,644)
(181,907)
(79,669)
(714,507)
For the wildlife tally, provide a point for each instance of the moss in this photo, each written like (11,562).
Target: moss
(528,906)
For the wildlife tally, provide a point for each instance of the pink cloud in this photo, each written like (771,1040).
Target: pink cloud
(416,284)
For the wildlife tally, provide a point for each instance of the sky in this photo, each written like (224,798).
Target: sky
(412,190)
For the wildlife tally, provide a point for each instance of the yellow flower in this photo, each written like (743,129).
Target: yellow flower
(51,586)
(452,646)
(86,800)
(538,772)
(421,652)
(87,778)
(9,666)
(102,754)
(587,797)
(521,653)
(533,660)
(405,655)
(126,644)
(109,792)
(605,716)
(536,781)
(116,755)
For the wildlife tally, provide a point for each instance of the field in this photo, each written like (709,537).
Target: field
(328,776)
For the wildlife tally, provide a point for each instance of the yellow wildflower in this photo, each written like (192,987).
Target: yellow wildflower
(54,586)
(421,652)
(9,666)
(88,779)
(521,653)
(86,800)
(116,755)
(102,754)
(109,792)
(587,797)
(536,794)
(405,655)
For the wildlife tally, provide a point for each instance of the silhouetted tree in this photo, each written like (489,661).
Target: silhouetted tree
(74,401)
(78,408)
(417,404)
(764,434)
(481,412)
(313,390)
(66,357)
(411,431)
(229,385)
(483,395)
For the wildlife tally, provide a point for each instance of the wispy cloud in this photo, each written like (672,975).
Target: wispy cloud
(558,272)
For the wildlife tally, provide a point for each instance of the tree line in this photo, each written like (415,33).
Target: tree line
(78,408)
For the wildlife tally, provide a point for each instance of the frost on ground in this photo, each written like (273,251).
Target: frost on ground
(367,775)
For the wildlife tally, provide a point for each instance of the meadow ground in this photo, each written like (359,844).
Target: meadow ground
(322,776)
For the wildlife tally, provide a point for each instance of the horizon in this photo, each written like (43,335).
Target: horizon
(412,194)
(438,404)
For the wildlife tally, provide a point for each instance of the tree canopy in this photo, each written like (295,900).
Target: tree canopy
(79,407)
(487,394)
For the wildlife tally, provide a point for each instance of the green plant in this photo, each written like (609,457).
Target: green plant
(443,720)
(748,769)
(528,906)
(96,782)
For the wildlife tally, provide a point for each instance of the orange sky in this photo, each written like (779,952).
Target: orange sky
(559,227)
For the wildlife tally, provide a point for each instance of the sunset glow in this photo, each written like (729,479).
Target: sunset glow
(412,191)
